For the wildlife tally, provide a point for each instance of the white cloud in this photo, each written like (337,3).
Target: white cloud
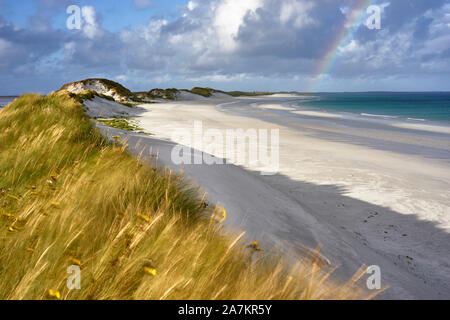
(219,78)
(152,30)
(229,17)
(122,77)
(192,5)
(90,26)
(351,47)
(296,11)
(69,49)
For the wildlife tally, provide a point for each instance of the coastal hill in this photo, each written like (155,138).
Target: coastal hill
(104,87)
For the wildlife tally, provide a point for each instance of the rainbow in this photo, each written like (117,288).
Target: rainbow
(344,35)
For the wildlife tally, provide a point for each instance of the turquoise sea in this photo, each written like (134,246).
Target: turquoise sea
(419,106)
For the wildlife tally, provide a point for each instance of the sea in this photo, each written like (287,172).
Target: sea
(418,106)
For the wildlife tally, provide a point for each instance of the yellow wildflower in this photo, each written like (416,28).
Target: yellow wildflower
(151,271)
(224,215)
(54,294)
(144,217)
(56,204)
(9,216)
(116,138)
(76,261)
(255,246)
(12,229)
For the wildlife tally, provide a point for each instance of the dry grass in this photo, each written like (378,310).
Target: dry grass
(69,197)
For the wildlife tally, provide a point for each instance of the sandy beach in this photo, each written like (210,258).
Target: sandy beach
(366,195)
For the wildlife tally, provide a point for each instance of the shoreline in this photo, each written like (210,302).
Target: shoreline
(428,138)
(372,113)
(431,125)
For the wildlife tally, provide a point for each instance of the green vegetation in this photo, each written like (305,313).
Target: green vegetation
(118,88)
(122,124)
(205,92)
(112,85)
(169,94)
(128,104)
(249,94)
(68,197)
(89,95)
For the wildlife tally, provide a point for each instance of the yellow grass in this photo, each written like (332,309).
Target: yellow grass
(69,197)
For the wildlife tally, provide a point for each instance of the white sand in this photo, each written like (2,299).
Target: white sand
(283,95)
(365,206)
(272,106)
(423,127)
(317,114)
(102,108)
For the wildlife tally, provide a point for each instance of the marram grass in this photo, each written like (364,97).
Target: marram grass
(70,197)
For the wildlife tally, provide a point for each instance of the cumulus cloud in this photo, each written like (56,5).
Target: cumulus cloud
(20,47)
(413,47)
(90,26)
(229,18)
(296,11)
(192,5)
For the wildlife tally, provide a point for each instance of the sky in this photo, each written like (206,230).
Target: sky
(270,45)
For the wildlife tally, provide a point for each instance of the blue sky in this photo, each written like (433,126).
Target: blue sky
(304,45)
(117,14)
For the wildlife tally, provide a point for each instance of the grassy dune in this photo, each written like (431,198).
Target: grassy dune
(117,87)
(70,197)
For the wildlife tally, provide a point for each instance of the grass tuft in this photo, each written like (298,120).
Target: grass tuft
(122,124)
